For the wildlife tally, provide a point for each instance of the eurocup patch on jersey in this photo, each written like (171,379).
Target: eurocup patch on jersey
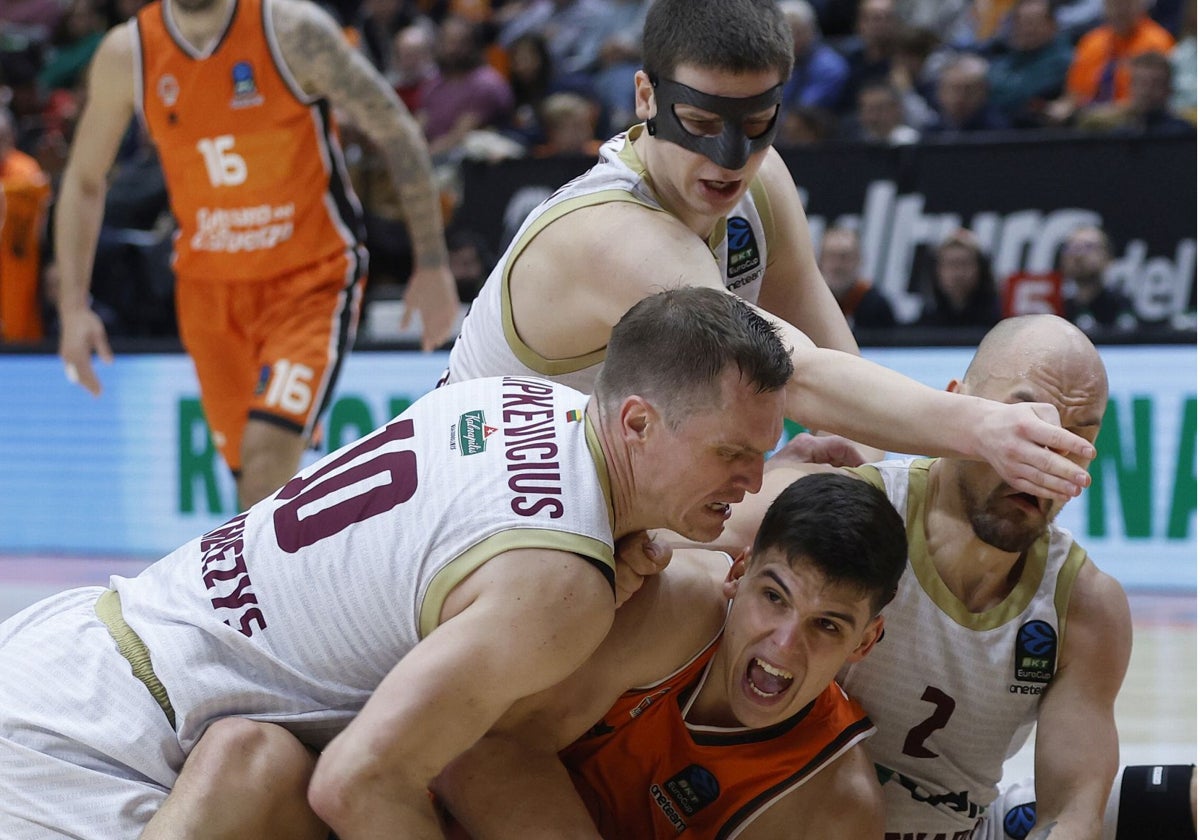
(743,250)
(469,436)
(692,788)
(1036,650)
(1019,820)
(245,89)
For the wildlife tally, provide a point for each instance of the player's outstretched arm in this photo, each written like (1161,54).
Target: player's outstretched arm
(79,210)
(324,63)
(1076,751)
(837,392)
(517,625)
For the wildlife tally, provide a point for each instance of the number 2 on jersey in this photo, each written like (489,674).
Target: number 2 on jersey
(914,742)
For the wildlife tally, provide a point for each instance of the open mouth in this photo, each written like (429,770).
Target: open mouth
(721,508)
(722,188)
(766,680)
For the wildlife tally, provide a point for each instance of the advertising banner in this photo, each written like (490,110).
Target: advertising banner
(134,474)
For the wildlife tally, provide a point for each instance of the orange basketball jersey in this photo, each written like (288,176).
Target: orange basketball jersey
(256,177)
(646,773)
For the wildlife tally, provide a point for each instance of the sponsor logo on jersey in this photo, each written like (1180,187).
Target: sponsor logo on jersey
(168,89)
(1019,820)
(743,250)
(245,89)
(693,788)
(264,376)
(664,805)
(473,432)
(1036,650)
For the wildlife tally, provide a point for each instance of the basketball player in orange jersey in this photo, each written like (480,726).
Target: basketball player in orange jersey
(237,96)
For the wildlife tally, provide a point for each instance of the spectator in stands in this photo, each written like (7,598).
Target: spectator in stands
(963,292)
(413,62)
(820,71)
(1088,301)
(467,94)
(1032,72)
(33,19)
(26,193)
(533,79)
(1100,67)
(805,127)
(880,116)
(619,59)
(471,261)
(377,23)
(962,99)
(863,305)
(71,46)
(869,53)
(1147,110)
(917,60)
(1183,60)
(569,122)
(574,30)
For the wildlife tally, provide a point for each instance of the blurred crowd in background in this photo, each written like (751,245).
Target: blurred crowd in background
(491,81)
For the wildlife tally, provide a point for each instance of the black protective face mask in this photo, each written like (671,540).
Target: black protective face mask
(731,148)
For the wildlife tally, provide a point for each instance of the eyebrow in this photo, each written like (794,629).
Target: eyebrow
(846,617)
(1023,395)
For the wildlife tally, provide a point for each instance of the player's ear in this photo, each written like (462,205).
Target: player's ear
(643,95)
(870,637)
(735,573)
(637,415)
(954,386)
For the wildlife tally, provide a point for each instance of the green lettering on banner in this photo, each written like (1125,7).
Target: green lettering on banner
(197,459)
(398,405)
(349,419)
(1183,492)
(1132,471)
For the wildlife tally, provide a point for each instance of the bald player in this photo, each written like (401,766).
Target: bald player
(1001,621)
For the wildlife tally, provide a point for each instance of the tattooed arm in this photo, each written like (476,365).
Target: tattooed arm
(325,64)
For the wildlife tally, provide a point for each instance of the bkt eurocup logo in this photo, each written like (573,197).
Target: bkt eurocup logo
(693,788)
(743,249)
(1019,820)
(1036,650)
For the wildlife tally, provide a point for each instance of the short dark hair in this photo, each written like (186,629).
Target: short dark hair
(843,526)
(735,36)
(673,347)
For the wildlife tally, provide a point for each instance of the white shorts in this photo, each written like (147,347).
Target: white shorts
(85,750)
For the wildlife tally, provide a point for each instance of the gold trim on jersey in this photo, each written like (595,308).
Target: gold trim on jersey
(762,203)
(524,353)
(918,558)
(593,551)
(1065,584)
(597,453)
(131,646)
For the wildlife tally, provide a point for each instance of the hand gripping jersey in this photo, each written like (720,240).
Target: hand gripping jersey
(294,611)
(253,167)
(488,344)
(649,774)
(956,693)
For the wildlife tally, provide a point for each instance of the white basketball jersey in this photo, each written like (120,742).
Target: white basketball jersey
(294,611)
(955,693)
(488,344)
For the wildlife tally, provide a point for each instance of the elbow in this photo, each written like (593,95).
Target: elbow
(331,794)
